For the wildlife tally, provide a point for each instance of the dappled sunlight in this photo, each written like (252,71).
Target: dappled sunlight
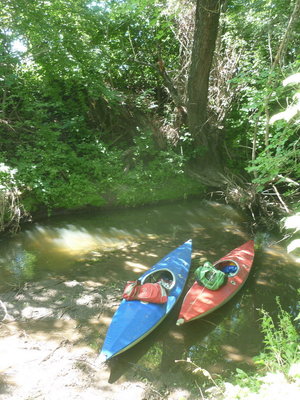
(81,269)
(135,267)
(264,282)
(149,254)
(277,252)
(176,335)
(106,320)
(61,369)
(75,241)
(197,228)
(274,385)
(53,330)
(93,284)
(278,268)
(234,354)
(71,284)
(127,241)
(61,301)
(233,229)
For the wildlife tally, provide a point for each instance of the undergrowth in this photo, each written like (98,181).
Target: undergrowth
(280,355)
(281,342)
(277,364)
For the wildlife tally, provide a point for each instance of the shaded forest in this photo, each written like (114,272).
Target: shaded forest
(129,102)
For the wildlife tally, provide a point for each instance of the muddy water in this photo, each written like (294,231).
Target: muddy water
(109,248)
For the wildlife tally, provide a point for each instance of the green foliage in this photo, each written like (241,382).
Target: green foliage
(279,161)
(63,102)
(156,175)
(281,352)
(280,157)
(60,175)
(137,34)
(87,77)
(245,380)
(23,267)
(26,266)
(259,30)
(281,342)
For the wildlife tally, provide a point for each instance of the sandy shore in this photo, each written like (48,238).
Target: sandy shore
(50,335)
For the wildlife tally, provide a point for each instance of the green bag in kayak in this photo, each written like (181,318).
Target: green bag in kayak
(210,277)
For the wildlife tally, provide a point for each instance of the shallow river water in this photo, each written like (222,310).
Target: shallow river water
(110,247)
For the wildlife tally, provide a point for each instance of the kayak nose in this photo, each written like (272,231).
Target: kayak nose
(180,321)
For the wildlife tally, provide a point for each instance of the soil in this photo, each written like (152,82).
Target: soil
(51,332)
(50,335)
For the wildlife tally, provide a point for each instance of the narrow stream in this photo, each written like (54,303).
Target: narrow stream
(114,246)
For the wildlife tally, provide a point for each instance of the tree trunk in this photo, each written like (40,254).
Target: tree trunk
(205,35)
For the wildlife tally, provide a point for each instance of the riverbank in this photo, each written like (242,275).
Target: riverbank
(53,325)
(51,332)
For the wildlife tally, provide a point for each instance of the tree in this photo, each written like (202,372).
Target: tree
(204,42)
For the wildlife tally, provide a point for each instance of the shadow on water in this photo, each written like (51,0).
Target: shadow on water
(77,268)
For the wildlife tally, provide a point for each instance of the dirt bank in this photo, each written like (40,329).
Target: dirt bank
(50,335)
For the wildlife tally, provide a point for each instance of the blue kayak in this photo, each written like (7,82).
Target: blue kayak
(135,319)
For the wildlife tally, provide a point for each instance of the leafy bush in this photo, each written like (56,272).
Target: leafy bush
(281,342)
(156,175)
(56,174)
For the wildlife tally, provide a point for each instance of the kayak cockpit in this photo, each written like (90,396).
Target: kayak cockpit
(163,276)
(229,267)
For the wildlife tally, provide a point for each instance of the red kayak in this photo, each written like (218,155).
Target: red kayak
(200,301)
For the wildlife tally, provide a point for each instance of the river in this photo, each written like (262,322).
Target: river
(110,247)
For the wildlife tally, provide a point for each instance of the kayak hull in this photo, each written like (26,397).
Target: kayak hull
(135,319)
(200,301)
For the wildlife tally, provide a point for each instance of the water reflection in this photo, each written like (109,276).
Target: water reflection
(18,264)
(56,245)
